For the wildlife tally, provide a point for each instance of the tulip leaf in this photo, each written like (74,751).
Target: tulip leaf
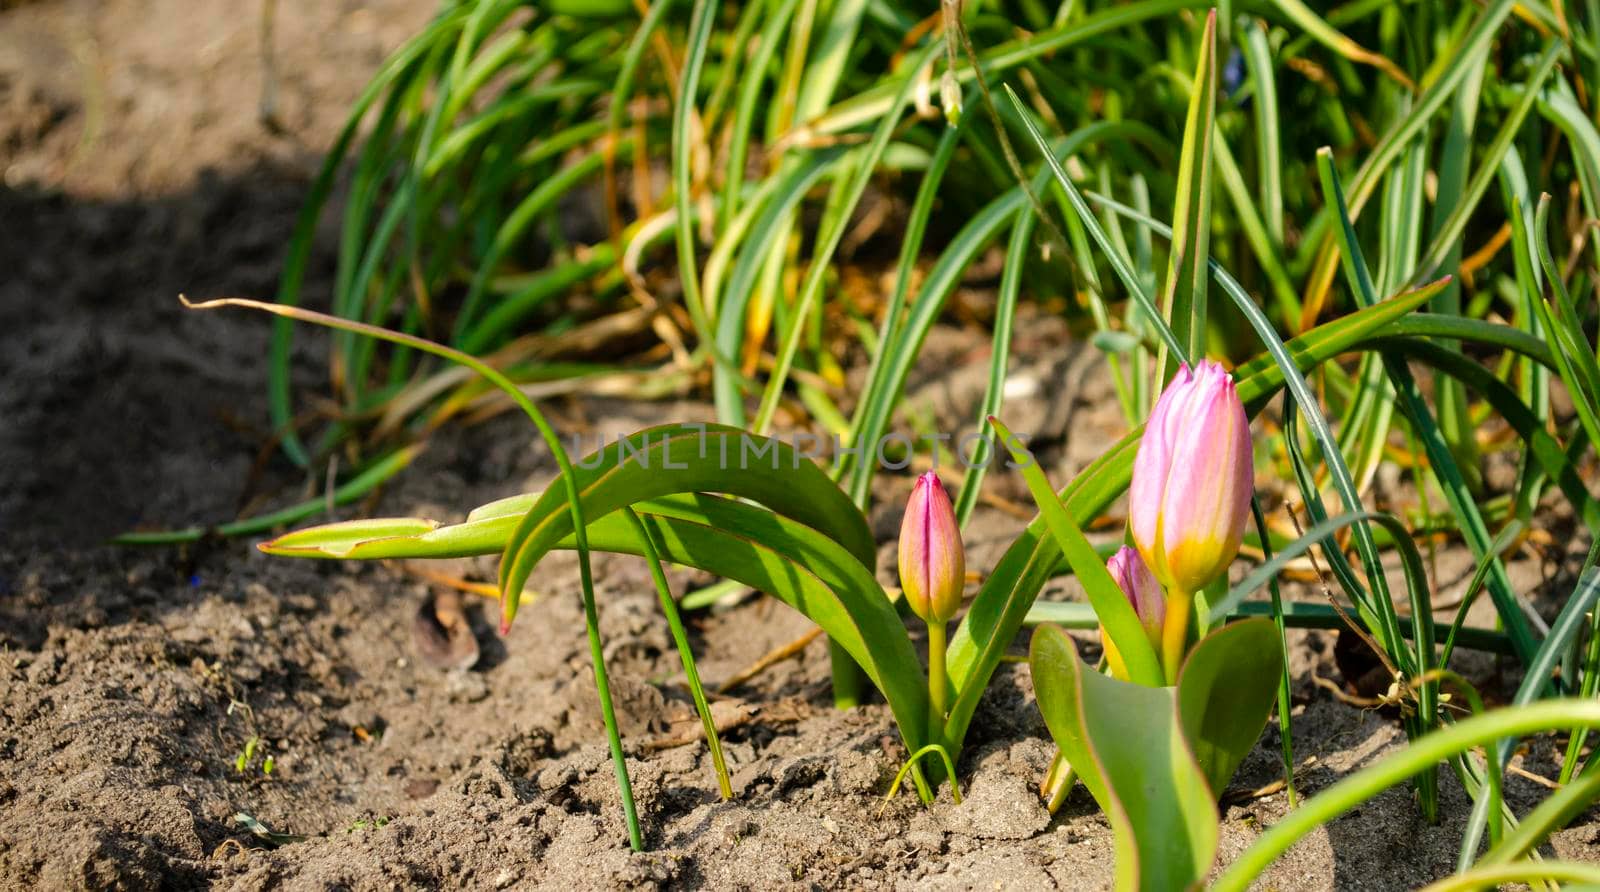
(1225,692)
(345,538)
(1128,745)
(789,560)
(681,458)
(1110,604)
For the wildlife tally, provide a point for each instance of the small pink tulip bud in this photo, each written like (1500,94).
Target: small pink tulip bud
(933,566)
(1192,479)
(1144,592)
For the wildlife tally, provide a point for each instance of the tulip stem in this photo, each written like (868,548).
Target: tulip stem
(936,676)
(1175,633)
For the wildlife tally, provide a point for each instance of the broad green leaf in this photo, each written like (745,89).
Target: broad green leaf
(346,538)
(1225,692)
(682,458)
(1127,744)
(793,562)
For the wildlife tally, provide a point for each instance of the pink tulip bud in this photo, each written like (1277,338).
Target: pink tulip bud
(1133,576)
(933,566)
(1192,479)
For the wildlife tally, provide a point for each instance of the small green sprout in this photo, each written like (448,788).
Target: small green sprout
(246,755)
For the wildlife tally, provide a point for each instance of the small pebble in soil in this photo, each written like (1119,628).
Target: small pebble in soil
(421,787)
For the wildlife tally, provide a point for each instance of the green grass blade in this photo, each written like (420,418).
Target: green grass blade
(992,621)
(1502,541)
(1455,489)
(1269,160)
(876,397)
(1367,178)
(1569,622)
(1130,279)
(1447,237)
(1424,752)
(395,69)
(744,113)
(680,638)
(828,241)
(356,488)
(1000,351)
(1110,604)
(1339,472)
(683,143)
(1285,704)
(1295,615)
(1325,34)
(1183,294)
(553,443)
(766,235)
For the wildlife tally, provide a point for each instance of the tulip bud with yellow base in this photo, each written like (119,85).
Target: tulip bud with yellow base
(1190,496)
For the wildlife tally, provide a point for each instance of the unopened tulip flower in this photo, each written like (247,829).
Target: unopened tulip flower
(932,562)
(1144,593)
(933,569)
(1190,495)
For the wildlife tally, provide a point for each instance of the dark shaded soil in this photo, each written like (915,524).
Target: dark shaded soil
(134,168)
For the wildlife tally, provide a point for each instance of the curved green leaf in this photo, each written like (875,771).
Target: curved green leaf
(1440,457)
(1544,448)
(788,559)
(1552,814)
(681,458)
(1225,692)
(1110,604)
(1127,744)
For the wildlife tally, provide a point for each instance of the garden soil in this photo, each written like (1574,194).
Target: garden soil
(135,683)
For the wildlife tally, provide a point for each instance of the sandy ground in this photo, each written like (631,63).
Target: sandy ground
(134,167)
